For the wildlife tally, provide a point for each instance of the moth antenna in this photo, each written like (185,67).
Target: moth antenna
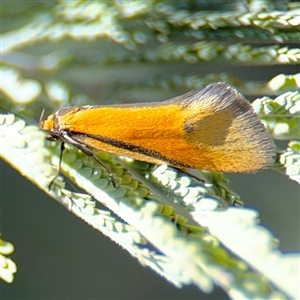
(42,116)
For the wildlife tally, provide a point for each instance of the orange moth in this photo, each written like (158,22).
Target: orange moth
(214,129)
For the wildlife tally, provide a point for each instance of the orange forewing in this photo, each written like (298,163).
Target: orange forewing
(214,129)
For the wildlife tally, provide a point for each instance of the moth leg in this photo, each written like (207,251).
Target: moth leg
(62,148)
(88,152)
(190,174)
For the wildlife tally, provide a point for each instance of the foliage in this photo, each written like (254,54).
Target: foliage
(72,53)
(7,266)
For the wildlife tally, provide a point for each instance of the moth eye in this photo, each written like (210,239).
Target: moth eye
(52,137)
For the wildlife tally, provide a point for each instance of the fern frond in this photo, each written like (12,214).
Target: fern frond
(184,214)
(7,266)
